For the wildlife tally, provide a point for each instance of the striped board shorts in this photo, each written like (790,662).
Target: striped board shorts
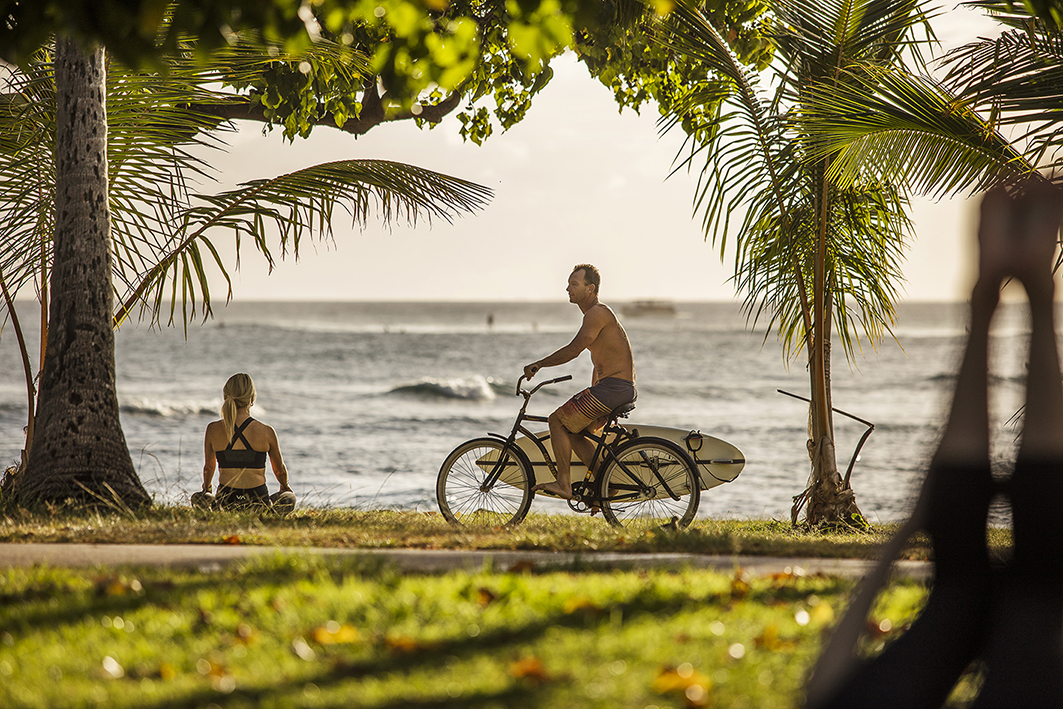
(592,405)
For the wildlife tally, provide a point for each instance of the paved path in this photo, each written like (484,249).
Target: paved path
(208,556)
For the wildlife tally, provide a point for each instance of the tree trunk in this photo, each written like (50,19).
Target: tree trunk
(79,451)
(828,499)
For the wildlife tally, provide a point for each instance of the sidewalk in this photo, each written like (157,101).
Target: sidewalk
(208,557)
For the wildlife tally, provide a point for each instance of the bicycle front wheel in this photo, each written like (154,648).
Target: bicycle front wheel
(649,484)
(484,483)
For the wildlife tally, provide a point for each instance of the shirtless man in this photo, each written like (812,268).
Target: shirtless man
(612,382)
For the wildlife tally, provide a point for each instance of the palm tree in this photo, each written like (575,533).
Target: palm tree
(814,256)
(80,448)
(163,235)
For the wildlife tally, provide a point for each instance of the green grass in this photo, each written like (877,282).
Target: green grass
(297,631)
(391,529)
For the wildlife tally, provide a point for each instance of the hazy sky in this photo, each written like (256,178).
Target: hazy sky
(574,182)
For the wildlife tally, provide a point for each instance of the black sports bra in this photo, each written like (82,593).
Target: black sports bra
(241,458)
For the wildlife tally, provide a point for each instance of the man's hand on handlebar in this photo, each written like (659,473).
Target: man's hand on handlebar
(530,370)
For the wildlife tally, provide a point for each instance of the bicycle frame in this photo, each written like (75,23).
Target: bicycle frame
(600,443)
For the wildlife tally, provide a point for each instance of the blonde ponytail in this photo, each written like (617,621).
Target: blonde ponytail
(239,392)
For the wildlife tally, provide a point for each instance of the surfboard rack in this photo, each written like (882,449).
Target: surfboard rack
(689,440)
(860,443)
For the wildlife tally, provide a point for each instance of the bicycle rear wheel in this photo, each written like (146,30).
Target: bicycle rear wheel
(462,491)
(650,484)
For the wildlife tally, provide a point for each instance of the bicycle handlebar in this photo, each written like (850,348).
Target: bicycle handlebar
(541,384)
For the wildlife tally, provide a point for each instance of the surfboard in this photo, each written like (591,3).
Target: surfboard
(717,460)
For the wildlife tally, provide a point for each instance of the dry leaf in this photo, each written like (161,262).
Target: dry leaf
(685,681)
(769,639)
(485,596)
(821,614)
(232,539)
(580,603)
(404,644)
(117,586)
(522,567)
(529,668)
(332,633)
(739,585)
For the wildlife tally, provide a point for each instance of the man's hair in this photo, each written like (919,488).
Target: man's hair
(590,275)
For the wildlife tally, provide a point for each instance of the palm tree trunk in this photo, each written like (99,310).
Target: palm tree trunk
(828,499)
(78,450)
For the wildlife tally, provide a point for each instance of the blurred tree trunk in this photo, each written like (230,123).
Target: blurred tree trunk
(78,450)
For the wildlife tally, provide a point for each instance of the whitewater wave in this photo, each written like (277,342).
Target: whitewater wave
(166,409)
(468,388)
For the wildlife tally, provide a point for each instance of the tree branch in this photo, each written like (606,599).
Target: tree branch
(371,115)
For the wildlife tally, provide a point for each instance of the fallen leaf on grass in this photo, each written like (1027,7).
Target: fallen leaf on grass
(770,640)
(684,681)
(404,644)
(332,633)
(117,586)
(578,604)
(529,668)
(821,614)
(485,596)
(232,539)
(739,585)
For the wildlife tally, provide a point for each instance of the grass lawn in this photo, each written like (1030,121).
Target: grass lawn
(428,530)
(304,631)
(300,631)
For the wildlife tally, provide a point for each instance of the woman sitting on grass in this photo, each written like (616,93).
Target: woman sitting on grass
(239,445)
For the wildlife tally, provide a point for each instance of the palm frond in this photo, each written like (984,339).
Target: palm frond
(818,40)
(742,156)
(906,129)
(1017,80)
(1016,13)
(293,206)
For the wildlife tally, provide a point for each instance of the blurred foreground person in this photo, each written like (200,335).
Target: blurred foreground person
(1008,618)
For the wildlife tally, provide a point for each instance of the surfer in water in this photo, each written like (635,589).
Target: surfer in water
(612,380)
(239,445)
(1007,619)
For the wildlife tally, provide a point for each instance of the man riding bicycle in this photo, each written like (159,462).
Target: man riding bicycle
(612,380)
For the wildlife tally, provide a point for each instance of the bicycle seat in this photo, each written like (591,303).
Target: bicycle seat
(622,411)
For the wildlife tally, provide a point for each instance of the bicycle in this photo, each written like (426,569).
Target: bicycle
(644,481)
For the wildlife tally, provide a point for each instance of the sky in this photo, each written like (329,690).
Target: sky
(576,181)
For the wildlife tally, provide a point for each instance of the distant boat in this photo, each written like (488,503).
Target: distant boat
(649,309)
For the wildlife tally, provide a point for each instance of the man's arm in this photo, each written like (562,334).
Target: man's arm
(593,322)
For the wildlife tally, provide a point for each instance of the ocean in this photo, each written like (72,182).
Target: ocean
(369,398)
